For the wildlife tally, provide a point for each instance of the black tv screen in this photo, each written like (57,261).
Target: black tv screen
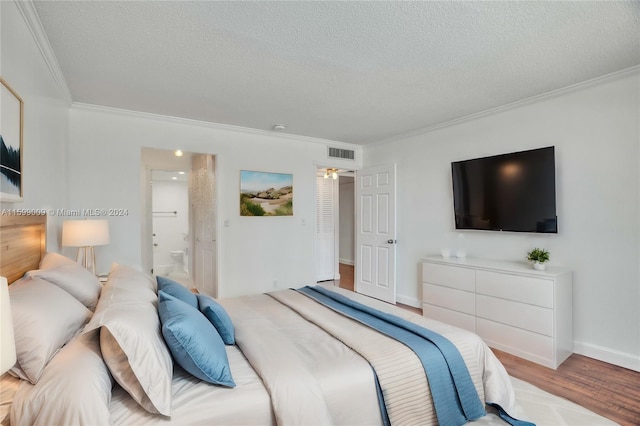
(509,192)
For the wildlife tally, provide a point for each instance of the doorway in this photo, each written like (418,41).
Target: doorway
(179,221)
(335,226)
(170,225)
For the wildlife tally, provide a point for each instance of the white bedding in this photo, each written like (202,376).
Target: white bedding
(198,402)
(312,377)
(272,325)
(291,371)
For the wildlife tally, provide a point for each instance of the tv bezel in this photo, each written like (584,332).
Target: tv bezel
(471,228)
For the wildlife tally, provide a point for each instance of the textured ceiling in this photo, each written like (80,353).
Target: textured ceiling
(348,71)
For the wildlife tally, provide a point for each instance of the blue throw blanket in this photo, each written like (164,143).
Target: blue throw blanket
(454,396)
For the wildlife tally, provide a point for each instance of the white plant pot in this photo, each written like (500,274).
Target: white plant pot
(539,266)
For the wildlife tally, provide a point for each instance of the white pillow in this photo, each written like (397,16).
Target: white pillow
(132,279)
(75,280)
(53,260)
(131,340)
(75,388)
(45,317)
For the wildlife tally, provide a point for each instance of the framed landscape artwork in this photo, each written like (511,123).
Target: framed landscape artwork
(266,194)
(11,119)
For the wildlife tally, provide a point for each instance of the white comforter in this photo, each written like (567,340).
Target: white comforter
(313,378)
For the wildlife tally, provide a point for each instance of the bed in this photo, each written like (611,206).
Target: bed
(143,350)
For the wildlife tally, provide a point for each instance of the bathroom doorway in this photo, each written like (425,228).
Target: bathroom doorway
(170,224)
(179,221)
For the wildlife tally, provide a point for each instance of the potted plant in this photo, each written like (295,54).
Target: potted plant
(538,256)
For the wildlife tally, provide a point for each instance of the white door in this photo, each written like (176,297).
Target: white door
(376,232)
(202,198)
(325,229)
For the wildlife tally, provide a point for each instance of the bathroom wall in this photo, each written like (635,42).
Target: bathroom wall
(170,229)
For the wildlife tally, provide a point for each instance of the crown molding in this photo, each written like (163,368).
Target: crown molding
(212,125)
(534,99)
(32,19)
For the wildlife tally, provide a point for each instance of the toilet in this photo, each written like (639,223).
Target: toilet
(177,257)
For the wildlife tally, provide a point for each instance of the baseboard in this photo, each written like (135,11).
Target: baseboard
(409,301)
(347,262)
(622,359)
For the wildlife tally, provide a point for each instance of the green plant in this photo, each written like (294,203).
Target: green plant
(538,255)
(247,208)
(285,210)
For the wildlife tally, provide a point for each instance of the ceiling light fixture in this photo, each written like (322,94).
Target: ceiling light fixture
(178,153)
(333,173)
(279,127)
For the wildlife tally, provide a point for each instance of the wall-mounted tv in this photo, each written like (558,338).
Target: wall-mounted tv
(509,192)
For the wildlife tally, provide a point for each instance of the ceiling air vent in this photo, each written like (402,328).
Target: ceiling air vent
(346,154)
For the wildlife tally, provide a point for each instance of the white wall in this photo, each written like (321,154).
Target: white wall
(254,254)
(46,124)
(595,129)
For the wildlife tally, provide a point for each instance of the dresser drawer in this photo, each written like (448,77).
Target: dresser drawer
(457,319)
(449,298)
(515,314)
(449,276)
(534,291)
(525,344)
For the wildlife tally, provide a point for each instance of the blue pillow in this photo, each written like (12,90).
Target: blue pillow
(194,343)
(216,314)
(177,290)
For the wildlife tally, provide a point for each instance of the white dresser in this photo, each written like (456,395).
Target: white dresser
(513,307)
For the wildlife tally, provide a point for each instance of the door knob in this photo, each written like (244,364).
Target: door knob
(391,241)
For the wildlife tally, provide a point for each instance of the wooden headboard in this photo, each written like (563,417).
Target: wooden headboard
(23,241)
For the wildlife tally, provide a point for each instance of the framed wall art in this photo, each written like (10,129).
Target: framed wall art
(11,126)
(266,194)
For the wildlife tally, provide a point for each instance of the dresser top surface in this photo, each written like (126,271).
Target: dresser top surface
(523,268)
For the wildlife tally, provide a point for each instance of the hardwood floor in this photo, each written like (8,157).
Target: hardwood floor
(347,278)
(606,389)
(347,282)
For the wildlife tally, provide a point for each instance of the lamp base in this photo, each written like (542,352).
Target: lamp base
(87,258)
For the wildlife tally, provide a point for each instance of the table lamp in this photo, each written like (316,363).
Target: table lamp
(7,342)
(85,234)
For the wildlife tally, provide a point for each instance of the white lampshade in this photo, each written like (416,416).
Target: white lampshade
(85,233)
(7,342)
